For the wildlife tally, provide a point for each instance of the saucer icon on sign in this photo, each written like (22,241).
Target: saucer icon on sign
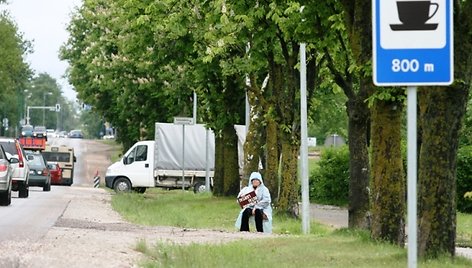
(414,15)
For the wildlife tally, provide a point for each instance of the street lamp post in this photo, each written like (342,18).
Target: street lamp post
(44,104)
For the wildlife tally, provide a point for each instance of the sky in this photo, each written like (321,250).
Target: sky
(44,23)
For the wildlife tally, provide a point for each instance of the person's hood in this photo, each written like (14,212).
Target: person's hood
(255,176)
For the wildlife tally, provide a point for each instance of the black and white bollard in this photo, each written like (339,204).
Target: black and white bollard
(96,181)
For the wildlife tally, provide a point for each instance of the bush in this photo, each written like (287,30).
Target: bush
(464,179)
(329,182)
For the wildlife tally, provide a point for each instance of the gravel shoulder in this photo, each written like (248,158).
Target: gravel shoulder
(91,234)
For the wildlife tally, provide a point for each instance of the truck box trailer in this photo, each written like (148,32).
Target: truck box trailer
(158,162)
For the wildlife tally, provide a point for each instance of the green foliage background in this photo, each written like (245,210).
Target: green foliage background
(464,178)
(329,181)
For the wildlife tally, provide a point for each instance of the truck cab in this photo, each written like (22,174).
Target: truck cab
(134,170)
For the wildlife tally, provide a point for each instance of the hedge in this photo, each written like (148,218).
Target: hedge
(329,182)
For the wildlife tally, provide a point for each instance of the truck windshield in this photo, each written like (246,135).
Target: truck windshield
(56,157)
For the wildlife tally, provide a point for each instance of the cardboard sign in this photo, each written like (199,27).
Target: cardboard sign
(247,199)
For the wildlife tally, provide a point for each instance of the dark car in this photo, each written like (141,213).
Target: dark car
(39,171)
(39,131)
(76,134)
(27,131)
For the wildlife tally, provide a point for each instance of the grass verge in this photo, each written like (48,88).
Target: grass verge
(464,230)
(188,210)
(324,247)
(115,149)
(339,249)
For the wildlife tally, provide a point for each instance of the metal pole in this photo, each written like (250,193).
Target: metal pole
(304,143)
(248,85)
(44,111)
(194,107)
(183,157)
(27,115)
(411,173)
(248,111)
(207,156)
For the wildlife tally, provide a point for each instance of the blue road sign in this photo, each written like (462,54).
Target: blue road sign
(412,42)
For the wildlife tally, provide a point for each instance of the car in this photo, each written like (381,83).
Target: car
(50,133)
(6,172)
(20,177)
(56,173)
(27,131)
(39,131)
(40,175)
(62,134)
(109,137)
(76,134)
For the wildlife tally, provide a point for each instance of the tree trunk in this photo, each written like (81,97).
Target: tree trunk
(230,162)
(272,166)
(359,117)
(288,201)
(441,112)
(388,180)
(218,180)
(252,151)
(358,21)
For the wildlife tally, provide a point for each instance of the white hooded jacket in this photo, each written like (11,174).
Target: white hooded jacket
(263,202)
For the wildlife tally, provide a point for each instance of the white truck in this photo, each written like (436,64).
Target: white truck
(158,163)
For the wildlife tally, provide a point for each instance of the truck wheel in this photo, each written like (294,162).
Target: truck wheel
(47,187)
(199,187)
(5,197)
(23,190)
(122,185)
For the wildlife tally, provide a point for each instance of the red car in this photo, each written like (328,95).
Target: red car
(56,173)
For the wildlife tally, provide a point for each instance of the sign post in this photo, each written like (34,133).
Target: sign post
(412,46)
(183,121)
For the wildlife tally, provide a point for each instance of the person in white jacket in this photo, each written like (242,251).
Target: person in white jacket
(261,210)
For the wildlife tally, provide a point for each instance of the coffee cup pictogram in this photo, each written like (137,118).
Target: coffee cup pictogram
(414,15)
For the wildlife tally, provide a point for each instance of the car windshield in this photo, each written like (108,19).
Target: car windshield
(27,128)
(39,129)
(36,161)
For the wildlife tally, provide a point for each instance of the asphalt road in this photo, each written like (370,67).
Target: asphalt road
(30,218)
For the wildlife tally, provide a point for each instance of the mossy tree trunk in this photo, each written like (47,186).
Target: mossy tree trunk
(218,180)
(358,86)
(289,187)
(230,160)
(359,121)
(262,140)
(253,146)
(272,148)
(286,114)
(441,113)
(388,183)
(225,111)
